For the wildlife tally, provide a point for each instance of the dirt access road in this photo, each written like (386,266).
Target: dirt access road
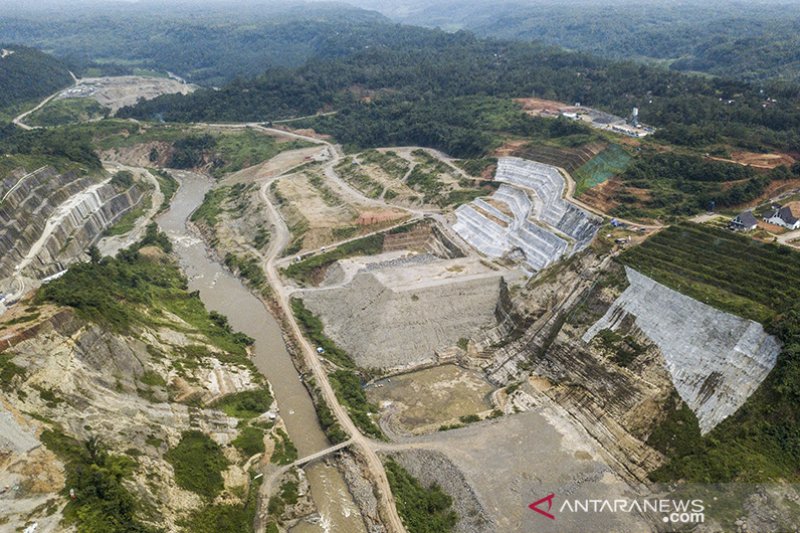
(18,121)
(277,244)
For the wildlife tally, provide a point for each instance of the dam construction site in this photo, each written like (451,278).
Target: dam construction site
(303,339)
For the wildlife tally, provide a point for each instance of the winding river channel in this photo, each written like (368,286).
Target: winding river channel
(223,292)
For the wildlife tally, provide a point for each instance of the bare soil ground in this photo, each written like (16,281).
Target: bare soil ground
(766,161)
(277,165)
(515,460)
(320,216)
(424,400)
(539,107)
(120,91)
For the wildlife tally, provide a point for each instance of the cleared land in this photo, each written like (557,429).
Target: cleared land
(424,400)
(409,177)
(318,216)
(399,314)
(117,92)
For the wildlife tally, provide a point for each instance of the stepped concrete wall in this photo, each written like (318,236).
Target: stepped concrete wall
(540,220)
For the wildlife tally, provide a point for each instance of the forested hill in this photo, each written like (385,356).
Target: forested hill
(27,74)
(209,47)
(413,85)
(731,38)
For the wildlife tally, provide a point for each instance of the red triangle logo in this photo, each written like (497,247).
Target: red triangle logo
(549,499)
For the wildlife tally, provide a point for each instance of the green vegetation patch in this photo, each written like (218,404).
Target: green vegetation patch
(250,441)
(423,509)
(350,392)
(168,185)
(103,504)
(306,270)
(285,451)
(198,462)
(132,290)
(333,431)
(212,206)
(241,150)
(314,330)
(249,268)
(127,222)
(246,404)
(608,163)
(9,371)
(224,518)
(287,495)
(676,184)
(353,173)
(68,111)
(723,269)
(394,165)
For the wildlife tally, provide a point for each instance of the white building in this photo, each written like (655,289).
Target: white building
(787,216)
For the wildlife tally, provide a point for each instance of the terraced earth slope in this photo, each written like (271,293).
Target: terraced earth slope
(48,219)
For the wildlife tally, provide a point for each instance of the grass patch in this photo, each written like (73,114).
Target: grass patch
(423,509)
(250,441)
(305,270)
(246,404)
(198,462)
(285,451)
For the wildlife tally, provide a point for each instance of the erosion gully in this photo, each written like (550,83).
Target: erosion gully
(224,293)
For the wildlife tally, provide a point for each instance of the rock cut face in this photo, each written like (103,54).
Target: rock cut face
(716,360)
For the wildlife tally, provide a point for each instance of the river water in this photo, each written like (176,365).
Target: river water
(224,293)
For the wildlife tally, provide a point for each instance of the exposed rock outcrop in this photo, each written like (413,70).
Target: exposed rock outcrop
(716,360)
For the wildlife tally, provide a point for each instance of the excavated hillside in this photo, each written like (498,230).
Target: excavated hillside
(716,360)
(79,393)
(48,219)
(617,351)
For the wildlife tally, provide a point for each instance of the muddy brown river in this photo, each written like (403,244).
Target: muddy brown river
(223,292)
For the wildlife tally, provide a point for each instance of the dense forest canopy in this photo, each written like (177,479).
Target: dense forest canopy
(417,81)
(209,47)
(744,40)
(27,74)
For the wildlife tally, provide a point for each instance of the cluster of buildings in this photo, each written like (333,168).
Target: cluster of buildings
(787,216)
